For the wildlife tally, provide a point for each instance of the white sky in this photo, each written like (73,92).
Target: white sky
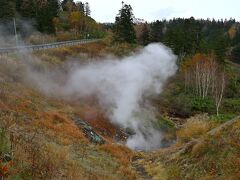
(150,10)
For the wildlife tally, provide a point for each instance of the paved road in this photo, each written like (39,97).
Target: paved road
(45,46)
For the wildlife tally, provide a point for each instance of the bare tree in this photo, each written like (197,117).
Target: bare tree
(218,89)
(206,77)
(198,73)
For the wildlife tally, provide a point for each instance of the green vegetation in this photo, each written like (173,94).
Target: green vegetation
(7,9)
(4,142)
(123,28)
(190,36)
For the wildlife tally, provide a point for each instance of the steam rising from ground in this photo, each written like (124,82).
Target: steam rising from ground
(122,87)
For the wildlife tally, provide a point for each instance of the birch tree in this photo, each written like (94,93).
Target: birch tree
(206,77)
(218,89)
(198,73)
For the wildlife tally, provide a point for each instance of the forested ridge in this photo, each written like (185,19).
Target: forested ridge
(72,20)
(66,19)
(189,36)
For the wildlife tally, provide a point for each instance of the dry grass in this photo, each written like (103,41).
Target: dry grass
(3,93)
(65,36)
(54,60)
(237,125)
(46,144)
(120,50)
(41,39)
(60,125)
(212,157)
(61,53)
(75,171)
(157,171)
(122,153)
(200,148)
(194,128)
(93,50)
(97,119)
(123,156)
(35,158)
(58,55)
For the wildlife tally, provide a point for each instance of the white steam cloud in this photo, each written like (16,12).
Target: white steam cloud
(122,87)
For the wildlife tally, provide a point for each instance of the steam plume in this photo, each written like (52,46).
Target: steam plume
(122,87)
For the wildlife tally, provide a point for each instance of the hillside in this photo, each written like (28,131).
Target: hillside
(40,138)
(199,154)
(47,137)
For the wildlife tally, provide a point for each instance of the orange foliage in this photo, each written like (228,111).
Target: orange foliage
(65,36)
(127,172)
(92,49)
(26,106)
(4,168)
(232,32)
(123,156)
(61,53)
(120,152)
(60,125)
(77,20)
(96,118)
(199,59)
(200,72)
(3,106)
(101,124)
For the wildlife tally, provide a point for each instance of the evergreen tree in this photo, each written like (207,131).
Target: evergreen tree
(235,54)
(68,5)
(156,33)
(80,7)
(144,36)
(7,12)
(63,5)
(53,7)
(27,9)
(220,47)
(45,16)
(18,4)
(7,9)
(124,30)
(87,9)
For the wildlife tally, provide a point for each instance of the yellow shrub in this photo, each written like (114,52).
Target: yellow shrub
(41,39)
(60,53)
(193,128)
(65,36)
(51,59)
(199,148)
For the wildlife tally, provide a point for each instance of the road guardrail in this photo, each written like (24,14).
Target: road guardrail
(45,46)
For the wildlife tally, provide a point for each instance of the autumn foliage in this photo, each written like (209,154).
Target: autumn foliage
(205,76)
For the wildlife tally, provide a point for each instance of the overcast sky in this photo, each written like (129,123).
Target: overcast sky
(150,10)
